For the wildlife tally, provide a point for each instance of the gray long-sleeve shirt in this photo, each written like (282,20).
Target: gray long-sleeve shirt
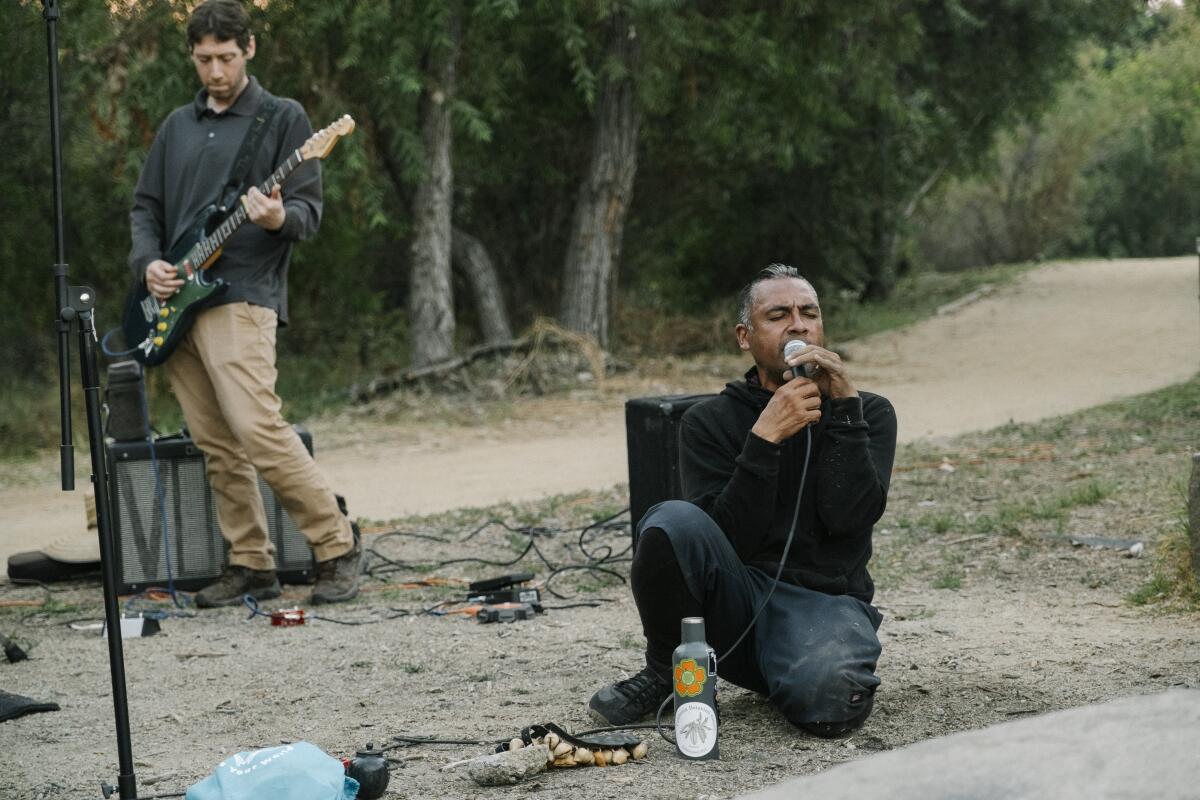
(185,171)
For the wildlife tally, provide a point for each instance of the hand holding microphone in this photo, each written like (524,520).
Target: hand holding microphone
(823,366)
(794,406)
(794,348)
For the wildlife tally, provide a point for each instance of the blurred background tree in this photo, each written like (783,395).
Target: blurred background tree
(1110,169)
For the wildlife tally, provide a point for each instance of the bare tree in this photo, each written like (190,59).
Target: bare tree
(431,298)
(473,261)
(594,247)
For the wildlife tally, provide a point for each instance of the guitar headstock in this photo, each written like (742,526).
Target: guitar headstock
(320,143)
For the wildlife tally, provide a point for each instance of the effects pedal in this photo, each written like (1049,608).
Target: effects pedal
(288,617)
(507,612)
(504,590)
(517,595)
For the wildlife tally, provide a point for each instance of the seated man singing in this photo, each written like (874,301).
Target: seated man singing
(773,456)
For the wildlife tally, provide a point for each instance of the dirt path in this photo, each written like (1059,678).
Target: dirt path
(1065,336)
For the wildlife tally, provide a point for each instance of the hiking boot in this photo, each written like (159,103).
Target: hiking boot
(630,700)
(235,582)
(337,578)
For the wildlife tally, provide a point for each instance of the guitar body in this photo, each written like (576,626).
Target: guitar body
(156,328)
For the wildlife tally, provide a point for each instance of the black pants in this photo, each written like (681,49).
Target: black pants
(812,654)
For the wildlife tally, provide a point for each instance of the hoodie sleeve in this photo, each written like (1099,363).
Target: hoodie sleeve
(854,469)
(734,481)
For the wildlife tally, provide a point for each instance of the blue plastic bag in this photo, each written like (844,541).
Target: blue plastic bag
(299,771)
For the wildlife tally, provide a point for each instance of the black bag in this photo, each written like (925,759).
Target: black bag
(126,401)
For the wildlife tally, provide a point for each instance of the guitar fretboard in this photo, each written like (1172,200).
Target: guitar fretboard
(214,241)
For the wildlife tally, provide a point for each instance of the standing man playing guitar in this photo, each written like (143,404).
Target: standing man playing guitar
(223,372)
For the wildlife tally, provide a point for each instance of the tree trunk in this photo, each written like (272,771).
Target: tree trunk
(594,247)
(880,257)
(879,252)
(472,259)
(430,297)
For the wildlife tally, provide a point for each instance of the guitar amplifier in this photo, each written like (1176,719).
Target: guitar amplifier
(652,442)
(194,542)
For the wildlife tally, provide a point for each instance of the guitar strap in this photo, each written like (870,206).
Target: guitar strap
(245,157)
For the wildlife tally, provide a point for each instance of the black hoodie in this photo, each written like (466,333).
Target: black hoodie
(748,485)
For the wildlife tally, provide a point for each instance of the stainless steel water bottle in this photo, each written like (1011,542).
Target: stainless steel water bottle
(694,675)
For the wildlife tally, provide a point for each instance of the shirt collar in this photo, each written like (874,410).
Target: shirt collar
(244,106)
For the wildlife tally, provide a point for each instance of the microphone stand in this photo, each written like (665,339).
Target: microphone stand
(76,304)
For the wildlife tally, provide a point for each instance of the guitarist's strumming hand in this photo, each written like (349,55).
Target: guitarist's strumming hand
(162,279)
(265,211)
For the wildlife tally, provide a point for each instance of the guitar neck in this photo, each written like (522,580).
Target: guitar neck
(215,240)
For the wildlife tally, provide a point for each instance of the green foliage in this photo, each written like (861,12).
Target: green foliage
(1089,494)
(1109,170)
(1143,174)
(1156,589)
(1007,519)
(1174,580)
(938,523)
(948,578)
(800,131)
(815,154)
(1179,407)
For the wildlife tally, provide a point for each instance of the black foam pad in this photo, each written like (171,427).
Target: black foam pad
(15,705)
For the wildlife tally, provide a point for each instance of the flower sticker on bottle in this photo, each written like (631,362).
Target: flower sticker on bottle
(689,678)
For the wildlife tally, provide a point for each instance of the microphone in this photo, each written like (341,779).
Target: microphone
(795,347)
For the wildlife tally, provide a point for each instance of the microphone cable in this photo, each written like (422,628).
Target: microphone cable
(775,583)
(787,545)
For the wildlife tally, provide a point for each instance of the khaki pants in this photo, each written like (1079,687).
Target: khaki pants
(223,374)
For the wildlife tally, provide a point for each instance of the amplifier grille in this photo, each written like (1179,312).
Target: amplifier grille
(652,443)
(197,549)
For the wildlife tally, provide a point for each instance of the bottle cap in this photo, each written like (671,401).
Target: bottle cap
(691,629)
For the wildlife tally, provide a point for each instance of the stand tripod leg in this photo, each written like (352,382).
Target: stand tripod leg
(77,304)
(82,302)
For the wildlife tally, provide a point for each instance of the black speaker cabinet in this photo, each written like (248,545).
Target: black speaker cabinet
(652,441)
(194,541)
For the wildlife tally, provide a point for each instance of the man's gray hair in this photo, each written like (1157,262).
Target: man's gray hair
(767,273)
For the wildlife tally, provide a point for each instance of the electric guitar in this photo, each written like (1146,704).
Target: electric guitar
(153,328)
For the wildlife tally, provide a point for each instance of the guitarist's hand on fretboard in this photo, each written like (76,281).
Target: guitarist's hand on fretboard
(162,279)
(265,211)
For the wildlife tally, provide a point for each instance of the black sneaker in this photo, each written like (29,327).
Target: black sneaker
(236,581)
(630,700)
(337,578)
